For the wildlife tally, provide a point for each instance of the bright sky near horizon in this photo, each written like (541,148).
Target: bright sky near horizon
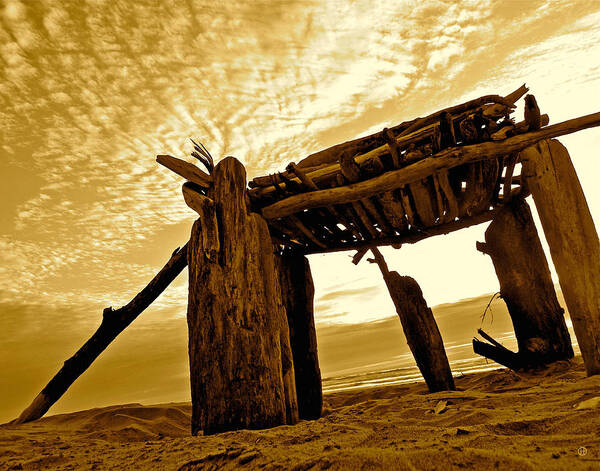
(91,91)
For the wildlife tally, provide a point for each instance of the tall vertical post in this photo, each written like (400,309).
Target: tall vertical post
(241,366)
(572,239)
(512,242)
(297,293)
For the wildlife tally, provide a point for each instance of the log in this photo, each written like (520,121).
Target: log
(419,326)
(500,355)
(444,160)
(186,170)
(572,238)
(241,365)
(113,323)
(306,231)
(390,140)
(301,174)
(526,286)
(297,291)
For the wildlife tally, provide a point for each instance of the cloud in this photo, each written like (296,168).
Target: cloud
(91,92)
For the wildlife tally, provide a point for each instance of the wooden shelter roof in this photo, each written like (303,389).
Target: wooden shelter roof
(429,176)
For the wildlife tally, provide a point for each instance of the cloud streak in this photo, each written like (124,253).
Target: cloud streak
(91,91)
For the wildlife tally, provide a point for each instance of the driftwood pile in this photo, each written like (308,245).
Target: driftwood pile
(253,352)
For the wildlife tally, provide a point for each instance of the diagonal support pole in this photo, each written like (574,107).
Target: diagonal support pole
(113,323)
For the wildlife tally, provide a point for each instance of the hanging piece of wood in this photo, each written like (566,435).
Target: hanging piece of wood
(420,328)
(241,365)
(572,238)
(446,159)
(185,169)
(526,286)
(113,323)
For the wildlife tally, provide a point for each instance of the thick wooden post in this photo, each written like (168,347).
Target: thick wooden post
(572,239)
(526,286)
(298,292)
(241,367)
(420,328)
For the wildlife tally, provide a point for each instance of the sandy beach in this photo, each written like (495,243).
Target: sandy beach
(495,420)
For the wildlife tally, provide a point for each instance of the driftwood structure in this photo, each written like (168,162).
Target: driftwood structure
(252,340)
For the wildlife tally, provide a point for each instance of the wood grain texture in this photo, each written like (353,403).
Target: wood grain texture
(419,326)
(572,238)
(512,242)
(241,365)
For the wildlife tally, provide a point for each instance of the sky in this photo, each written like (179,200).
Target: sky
(92,91)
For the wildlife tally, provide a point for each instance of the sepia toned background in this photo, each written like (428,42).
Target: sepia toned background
(91,91)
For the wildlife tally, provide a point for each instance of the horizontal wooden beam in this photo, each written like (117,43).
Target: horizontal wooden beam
(415,235)
(443,160)
(185,169)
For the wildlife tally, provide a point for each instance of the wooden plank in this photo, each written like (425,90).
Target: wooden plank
(572,238)
(393,210)
(444,182)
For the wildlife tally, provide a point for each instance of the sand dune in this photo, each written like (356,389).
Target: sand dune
(495,420)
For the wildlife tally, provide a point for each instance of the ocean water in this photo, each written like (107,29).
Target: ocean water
(403,369)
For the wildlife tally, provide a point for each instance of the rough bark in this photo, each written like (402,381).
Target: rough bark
(526,286)
(420,328)
(113,323)
(569,228)
(443,160)
(297,291)
(241,366)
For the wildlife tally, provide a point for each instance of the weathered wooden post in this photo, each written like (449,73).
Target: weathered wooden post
(297,291)
(420,328)
(241,366)
(512,242)
(572,238)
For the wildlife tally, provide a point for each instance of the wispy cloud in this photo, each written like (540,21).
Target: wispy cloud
(93,90)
